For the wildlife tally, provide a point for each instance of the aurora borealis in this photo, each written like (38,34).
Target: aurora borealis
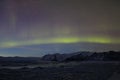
(38,27)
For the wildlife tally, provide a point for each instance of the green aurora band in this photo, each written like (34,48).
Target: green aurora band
(67,40)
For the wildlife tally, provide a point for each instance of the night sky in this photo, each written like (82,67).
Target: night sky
(39,27)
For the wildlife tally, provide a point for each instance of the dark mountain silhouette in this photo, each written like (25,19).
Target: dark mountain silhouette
(80,56)
(77,56)
(62,57)
(100,56)
(106,56)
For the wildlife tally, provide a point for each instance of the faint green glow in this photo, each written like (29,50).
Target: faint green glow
(102,40)
(98,40)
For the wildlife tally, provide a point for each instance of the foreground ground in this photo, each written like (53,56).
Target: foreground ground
(71,71)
